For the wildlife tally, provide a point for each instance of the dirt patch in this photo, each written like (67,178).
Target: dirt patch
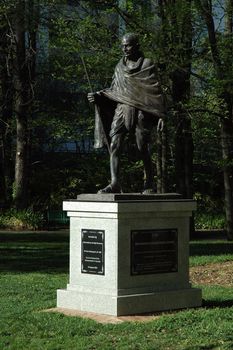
(107,318)
(213,274)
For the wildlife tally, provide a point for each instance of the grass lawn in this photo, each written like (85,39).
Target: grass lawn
(34,265)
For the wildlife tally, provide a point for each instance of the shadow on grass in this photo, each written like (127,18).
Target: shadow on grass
(211,304)
(49,251)
(210,248)
(209,235)
(34,252)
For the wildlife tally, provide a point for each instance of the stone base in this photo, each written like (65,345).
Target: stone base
(130,304)
(129,254)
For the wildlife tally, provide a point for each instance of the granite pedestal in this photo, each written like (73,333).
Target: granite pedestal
(129,254)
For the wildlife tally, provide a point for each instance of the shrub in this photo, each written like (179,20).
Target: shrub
(207,221)
(23,219)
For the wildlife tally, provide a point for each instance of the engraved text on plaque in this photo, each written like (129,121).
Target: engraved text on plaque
(92,252)
(153,251)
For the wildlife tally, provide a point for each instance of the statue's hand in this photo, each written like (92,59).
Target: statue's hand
(91,97)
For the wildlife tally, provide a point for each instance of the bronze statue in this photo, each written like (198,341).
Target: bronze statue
(133,103)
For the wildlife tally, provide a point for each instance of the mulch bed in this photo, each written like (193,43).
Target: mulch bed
(213,274)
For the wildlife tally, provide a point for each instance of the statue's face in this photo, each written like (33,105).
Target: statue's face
(129,47)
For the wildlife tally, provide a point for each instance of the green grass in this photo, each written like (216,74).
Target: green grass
(34,265)
(204,252)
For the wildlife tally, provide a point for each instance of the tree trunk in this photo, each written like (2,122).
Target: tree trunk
(5,140)
(227,175)
(177,38)
(181,95)
(227,132)
(184,156)
(2,144)
(6,112)
(177,35)
(2,172)
(21,86)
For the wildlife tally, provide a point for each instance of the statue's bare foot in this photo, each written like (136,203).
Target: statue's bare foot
(111,189)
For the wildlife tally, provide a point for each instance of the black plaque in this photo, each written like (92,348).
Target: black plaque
(93,252)
(154,251)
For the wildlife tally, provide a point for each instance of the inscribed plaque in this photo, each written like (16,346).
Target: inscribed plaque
(153,251)
(92,252)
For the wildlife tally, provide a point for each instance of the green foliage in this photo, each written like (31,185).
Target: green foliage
(208,204)
(210,211)
(83,47)
(20,220)
(210,221)
(65,175)
(84,42)
(87,38)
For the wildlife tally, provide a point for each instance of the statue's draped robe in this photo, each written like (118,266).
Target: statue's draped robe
(137,87)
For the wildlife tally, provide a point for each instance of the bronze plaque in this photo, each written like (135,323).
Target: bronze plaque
(154,251)
(92,252)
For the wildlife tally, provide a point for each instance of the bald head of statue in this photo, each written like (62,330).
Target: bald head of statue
(130,45)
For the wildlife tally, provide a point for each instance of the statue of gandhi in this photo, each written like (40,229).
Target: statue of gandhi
(133,103)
